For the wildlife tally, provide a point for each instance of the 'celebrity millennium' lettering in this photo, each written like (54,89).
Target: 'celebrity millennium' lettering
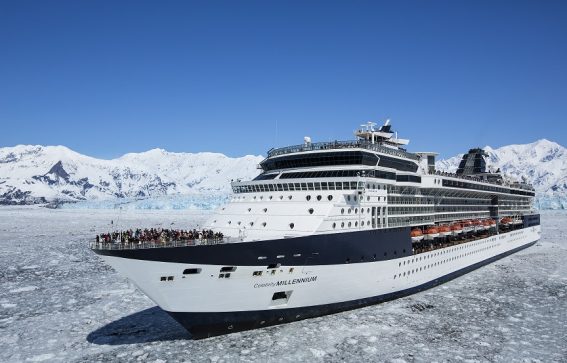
(326,227)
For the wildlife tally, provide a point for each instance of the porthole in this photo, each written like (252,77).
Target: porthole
(349,224)
(348,198)
(251,224)
(361,210)
(239,222)
(342,211)
(310,210)
(264,224)
(356,224)
(367,210)
(368,198)
(319,197)
(362,223)
(265,210)
(342,224)
(354,198)
(329,197)
(229,222)
(281,197)
(355,210)
(308,197)
(349,210)
(334,225)
(291,225)
(289,197)
(249,209)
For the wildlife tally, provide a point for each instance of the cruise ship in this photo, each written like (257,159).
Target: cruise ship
(328,227)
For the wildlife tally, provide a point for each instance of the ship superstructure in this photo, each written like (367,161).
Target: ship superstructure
(332,226)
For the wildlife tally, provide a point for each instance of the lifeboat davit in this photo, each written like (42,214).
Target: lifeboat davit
(486,224)
(468,226)
(431,233)
(492,223)
(444,230)
(416,235)
(456,229)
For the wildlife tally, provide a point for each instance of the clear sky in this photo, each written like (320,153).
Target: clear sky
(110,77)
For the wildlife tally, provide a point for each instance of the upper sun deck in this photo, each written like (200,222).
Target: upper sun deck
(337,145)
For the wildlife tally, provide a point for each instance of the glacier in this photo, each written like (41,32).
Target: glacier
(60,303)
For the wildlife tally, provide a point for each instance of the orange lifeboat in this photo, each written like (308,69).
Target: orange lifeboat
(468,226)
(456,229)
(431,233)
(477,224)
(444,230)
(506,221)
(416,235)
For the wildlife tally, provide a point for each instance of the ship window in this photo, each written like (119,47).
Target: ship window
(348,198)
(257,273)
(163,278)
(356,224)
(229,222)
(308,197)
(329,197)
(265,210)
(349,210)
(291,225)
(273,265)
(355,210)
(249,209)
(310,210)
(289,197)
(251,224)
(324,186)
(169,278)
(362,223)
(349,224)
(334,225)
(191,271)
(318,197)
(342,224)
(342,211)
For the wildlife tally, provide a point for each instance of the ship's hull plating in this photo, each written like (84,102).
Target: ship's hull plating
(208,305)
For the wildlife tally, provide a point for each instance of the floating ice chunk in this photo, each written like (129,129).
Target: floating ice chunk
(41,357)
(24,289)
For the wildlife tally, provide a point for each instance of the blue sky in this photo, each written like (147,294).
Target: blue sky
(109,77)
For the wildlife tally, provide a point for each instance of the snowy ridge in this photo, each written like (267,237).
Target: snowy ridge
(543,163)
(40,174)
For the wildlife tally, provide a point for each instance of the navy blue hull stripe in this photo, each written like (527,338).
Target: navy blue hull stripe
(322,249)
(204,325)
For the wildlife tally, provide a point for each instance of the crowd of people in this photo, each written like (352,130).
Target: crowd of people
(158,235)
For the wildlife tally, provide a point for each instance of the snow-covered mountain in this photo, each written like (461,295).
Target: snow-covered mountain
(39,174)
(543,163)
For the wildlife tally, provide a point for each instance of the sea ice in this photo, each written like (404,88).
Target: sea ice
(79,310)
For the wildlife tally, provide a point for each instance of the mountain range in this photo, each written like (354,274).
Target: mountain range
(47,174)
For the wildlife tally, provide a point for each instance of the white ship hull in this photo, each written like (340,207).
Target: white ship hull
(208,305)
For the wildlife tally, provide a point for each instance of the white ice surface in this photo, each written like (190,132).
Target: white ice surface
(60,303)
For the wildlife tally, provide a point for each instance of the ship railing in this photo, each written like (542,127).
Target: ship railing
(473,178)
(352,144)
(130,245)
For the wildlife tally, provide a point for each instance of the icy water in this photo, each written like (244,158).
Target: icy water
(59,302)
